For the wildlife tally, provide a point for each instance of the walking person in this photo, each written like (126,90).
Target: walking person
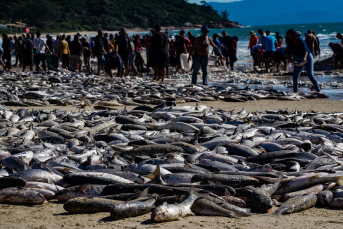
(299,53)
(7,50)
(124,50)
(41,47)
(201,47)
(63,47)
(159,50)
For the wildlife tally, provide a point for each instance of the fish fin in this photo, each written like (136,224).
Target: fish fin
(144,194)
(275,186)
(155,174)
(82,188)
(187,165)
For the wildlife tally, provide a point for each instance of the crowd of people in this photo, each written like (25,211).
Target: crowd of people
(124,52)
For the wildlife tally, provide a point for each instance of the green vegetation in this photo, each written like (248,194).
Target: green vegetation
(57,15)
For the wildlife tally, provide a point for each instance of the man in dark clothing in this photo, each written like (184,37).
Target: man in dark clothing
(76,53)
(106,45)
(7,47)
(17,47)
(226,41)
(340,37)
(180,49)
(191,37)
(27,51)
(49,42)
(124,50)
(99,50)
(337,49)
(114,62)
(159,49)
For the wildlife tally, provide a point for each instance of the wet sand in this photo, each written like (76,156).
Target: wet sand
(52,215)
(320,105)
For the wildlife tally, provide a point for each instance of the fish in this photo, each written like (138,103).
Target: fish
(87,205)
(296,204)
(21,196)
(209,208)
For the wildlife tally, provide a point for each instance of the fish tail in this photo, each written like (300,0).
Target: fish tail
(154,175)
(339,180)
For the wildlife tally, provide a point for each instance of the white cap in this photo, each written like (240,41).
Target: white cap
(172,38)
(298,33)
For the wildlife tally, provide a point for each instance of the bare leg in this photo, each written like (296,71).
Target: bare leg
(127,68)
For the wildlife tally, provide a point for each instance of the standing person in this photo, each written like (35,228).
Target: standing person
(191,37)
(49,42)
(114,62)
(40,51)
(159,50)
(317,51)
(76,53)
(68,39)
(226,41)
(7,50)
(337,49)
(63,47)
(124,50)
(133,56)
(298,52)
(180,49)
(27,51)
(201,47)
(232,51)
(340,37)
(311,42)
(172,52)
(269,43)
(280,56)
(262,36)
(279,40)
(252,43)
(106,45)
(216,41)
(57,55)
(87,51)
(138,49)
(99,50)
(18,52)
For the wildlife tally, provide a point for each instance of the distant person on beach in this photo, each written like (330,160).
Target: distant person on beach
(7,49)
(299,53)
(76,53)
(252,43)
(55,45)
(269,43)
(337,49)
(232,51)
(226,41)
(27,51)
(201,47)
(340,37)
(262,36)
(124,50)
(159,50)
(99,50)
(311,42)
(87,52)
(63,47)
(41,49)
(181,48)
(114,62)
(18,52)
(279,40)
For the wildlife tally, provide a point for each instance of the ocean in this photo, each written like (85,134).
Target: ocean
(326,33)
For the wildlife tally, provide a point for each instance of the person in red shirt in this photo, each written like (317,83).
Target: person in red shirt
(252,43)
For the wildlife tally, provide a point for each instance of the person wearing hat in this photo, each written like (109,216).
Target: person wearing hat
(201,47)
(298,52)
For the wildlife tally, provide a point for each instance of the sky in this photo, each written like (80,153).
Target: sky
(271,12)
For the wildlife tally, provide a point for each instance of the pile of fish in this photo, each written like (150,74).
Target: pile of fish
(172,161)
(79,89)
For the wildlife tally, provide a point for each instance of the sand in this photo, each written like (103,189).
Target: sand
(52,215)
(320,105)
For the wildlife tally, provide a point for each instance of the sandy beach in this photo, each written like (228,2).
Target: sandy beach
(52,215)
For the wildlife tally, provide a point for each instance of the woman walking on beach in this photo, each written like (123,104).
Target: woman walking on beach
(298,52)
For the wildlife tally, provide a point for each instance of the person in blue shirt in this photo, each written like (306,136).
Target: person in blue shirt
(298,52)
(269,45)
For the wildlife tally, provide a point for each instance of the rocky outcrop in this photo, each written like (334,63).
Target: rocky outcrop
(223,24)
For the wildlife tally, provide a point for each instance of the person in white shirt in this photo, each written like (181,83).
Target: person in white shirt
(262,36)
(40,46)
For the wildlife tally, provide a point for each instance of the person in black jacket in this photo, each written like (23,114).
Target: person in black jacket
(7,49)
(76,53)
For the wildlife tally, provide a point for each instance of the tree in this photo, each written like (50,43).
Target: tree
(224,15)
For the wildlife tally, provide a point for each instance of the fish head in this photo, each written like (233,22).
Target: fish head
(265,203)
(165,212)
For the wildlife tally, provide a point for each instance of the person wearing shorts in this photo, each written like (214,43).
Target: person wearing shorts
(160,47)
